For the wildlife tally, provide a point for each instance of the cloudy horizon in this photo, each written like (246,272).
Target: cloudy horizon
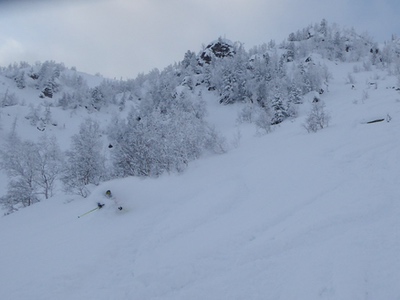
(120,38)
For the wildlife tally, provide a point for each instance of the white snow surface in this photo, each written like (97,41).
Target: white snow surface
(287,215)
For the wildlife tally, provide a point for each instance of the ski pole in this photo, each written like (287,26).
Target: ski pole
(88,212)
(99,205)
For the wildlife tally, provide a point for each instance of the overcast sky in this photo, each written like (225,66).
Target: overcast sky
(121,38)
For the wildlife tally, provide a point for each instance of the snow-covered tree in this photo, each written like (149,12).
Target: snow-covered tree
(19,161)
(9,99)
(160,140)
(263,120)
(19,195)
(84,161)
(190,64)
(278,108)
(32,169)
(49,165)
(34,114)
(234,76)
(48,78)
(20,79)
(317,118)
(295,95)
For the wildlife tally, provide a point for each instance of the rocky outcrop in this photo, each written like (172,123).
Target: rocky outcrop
(220,48)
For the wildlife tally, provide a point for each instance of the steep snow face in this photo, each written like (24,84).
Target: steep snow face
(288,215)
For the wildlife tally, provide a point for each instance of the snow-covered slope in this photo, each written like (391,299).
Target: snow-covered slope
(288,215)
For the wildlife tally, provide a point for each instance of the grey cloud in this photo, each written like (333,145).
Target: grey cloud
(124,37)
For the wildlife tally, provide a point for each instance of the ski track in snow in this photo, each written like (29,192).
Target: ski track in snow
(288,215)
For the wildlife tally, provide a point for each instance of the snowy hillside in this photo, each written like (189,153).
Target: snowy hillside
(283,215)
(229,227)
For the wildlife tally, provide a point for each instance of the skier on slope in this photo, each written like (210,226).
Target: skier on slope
(109,195)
